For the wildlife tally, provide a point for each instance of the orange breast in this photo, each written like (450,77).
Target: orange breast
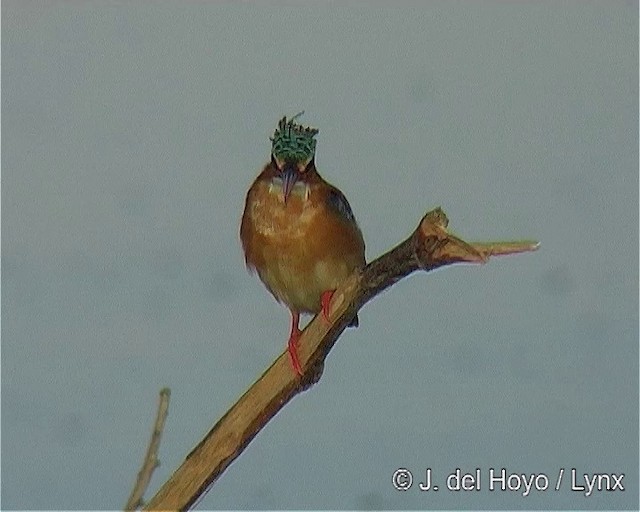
(299,249)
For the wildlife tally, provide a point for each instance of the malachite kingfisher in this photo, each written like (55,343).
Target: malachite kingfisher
(298,232)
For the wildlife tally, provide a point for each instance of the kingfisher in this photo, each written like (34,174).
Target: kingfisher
(298,232)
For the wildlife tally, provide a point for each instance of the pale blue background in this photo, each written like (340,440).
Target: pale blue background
(131,132)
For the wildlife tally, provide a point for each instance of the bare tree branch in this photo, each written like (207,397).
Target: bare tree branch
(150,462)
(429,247)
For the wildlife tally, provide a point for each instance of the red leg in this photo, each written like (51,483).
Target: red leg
(325,301)
(292,346)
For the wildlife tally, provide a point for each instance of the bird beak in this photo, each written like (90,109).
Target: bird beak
(289,177)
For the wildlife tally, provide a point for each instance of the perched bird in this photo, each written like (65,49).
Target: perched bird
(298,231)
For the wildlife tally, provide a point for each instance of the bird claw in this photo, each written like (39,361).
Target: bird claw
(292,348)
(325,301)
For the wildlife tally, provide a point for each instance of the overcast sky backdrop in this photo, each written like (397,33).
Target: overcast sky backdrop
(131,132)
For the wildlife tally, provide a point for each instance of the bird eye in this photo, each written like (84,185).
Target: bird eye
(277,163)
(305,167)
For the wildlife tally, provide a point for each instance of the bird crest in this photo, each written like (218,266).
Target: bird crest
(292,141)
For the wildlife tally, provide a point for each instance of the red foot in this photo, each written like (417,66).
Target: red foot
(325,301)
(293,351)
(292,346)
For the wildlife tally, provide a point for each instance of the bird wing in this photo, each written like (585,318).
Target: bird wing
(338,203)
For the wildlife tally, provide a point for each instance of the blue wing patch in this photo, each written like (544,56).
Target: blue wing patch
(339,203)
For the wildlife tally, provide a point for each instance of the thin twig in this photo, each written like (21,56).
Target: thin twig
(151,461)
(429,247)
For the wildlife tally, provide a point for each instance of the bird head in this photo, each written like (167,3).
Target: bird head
(292,152)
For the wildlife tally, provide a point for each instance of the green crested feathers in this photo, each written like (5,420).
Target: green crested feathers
(292,141)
